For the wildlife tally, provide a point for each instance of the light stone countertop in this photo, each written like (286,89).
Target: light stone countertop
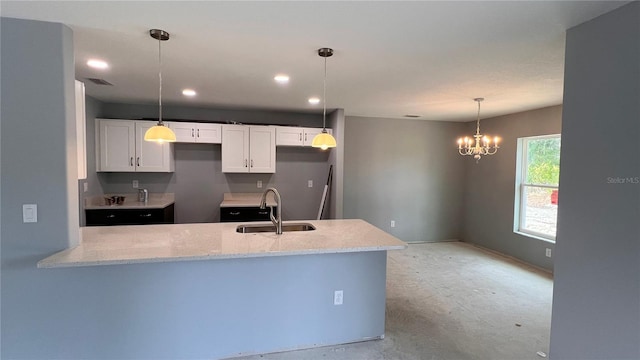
(156,201)
(246,199)
(113,245)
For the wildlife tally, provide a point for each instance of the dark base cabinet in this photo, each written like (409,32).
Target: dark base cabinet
(103,217)
(235,214)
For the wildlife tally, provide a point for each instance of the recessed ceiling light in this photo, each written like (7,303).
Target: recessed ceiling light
(97,64)
(281,78)
(189,92)
(314,100)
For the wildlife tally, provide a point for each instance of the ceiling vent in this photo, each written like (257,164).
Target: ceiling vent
(99,81)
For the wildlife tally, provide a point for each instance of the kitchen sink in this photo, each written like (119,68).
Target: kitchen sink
(251,228)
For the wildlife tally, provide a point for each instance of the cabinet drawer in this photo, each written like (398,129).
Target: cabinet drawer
(130,216)
(237,214)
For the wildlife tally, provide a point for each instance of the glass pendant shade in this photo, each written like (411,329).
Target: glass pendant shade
(160,133)
(324,140)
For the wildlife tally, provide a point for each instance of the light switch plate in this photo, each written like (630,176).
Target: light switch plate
(259,184)
(310,183)
(29,213)
(86,186)
(135,184)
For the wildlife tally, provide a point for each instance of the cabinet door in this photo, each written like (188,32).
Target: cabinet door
(208,133)
(289,136)
(81,131)
(185,132)
(262,149)
(235,149)
(116,145)
(310,133)
(150,155)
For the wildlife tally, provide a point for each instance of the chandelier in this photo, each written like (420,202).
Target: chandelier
(480,144)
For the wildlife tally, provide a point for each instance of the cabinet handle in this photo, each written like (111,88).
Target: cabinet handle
(198,132)
(234,213)
(300,136)
(138,161)
(131,161)
(305,137)
(251,162)
(192,135)
(245,162)
(110,216)
(145,215)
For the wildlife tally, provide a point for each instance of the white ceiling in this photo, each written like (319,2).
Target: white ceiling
(392,58)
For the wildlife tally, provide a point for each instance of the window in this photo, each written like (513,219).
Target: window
(538,171)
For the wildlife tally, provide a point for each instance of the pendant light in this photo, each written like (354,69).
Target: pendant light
(324,140)
(159,133)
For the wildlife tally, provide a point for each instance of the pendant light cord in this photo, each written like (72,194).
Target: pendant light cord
(160,79)
(324,96)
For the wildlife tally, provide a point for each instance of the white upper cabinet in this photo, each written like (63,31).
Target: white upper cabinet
(289,136)
(81,130)
(187,132)
(248,149)
(152,156)
(296,136)
(120,147)
(262,149)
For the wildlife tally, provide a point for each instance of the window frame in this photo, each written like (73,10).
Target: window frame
(521,185)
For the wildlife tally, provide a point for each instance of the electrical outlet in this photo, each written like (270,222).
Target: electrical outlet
(135,184)
(337,297)
(310,183)
(548,252)
(393,223)
(85,186)
(259,184)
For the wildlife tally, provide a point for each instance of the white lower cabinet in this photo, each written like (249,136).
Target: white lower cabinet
(120,147)
(187,132)
(248,149)
(296,136)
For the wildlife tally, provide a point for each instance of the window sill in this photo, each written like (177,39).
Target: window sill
(551,241)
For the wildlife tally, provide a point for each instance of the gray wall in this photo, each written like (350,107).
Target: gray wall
(407,171)
(198,310)
(39,166)
(335,199)
(490,186)
(198,182)
(596,299)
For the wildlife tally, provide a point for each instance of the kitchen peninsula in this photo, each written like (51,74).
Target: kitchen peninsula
(241,293)
(116,245)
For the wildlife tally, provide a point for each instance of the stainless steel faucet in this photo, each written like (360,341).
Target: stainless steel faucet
(276,220)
